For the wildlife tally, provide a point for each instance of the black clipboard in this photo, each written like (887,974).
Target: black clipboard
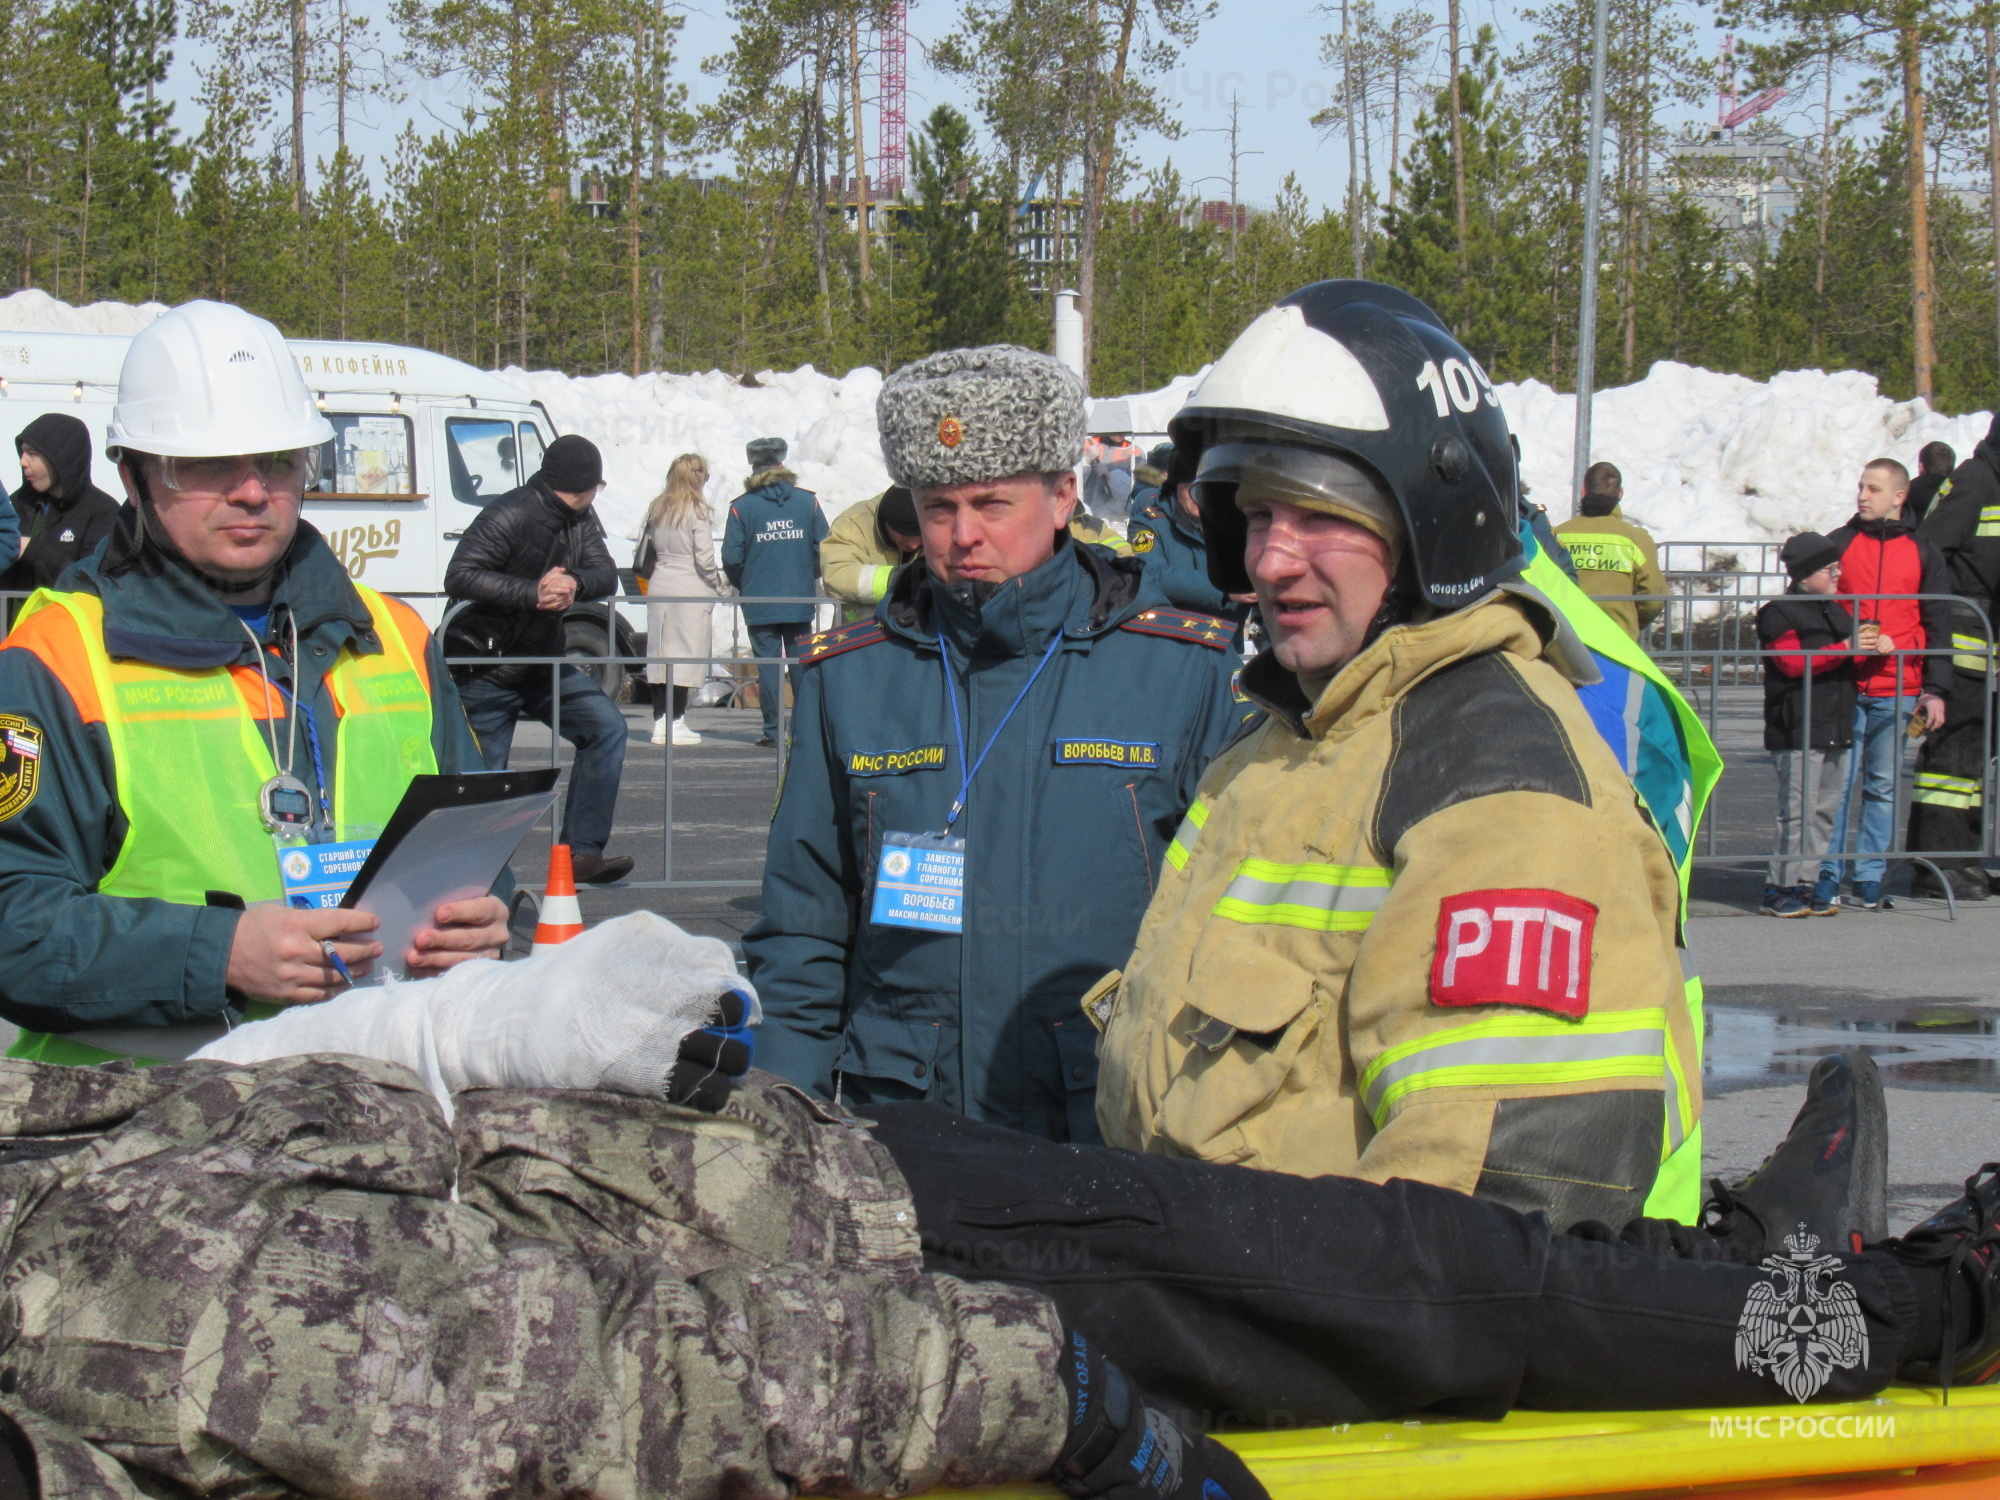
(415,872)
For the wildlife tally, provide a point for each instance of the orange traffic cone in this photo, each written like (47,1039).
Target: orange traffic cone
(561,918)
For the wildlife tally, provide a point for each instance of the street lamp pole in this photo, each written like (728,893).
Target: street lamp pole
(1586,319)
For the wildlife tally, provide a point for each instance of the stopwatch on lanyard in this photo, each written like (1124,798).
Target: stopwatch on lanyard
(285,803)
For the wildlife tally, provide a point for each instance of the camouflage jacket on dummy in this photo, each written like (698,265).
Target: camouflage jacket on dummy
(259,1281)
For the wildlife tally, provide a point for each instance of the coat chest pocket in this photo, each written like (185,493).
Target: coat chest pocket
(1240,1042)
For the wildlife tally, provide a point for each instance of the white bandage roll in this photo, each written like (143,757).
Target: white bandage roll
(607,1010)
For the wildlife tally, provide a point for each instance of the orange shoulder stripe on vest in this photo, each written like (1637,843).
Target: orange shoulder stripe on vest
(52,634)
(416,636)
(1183,625)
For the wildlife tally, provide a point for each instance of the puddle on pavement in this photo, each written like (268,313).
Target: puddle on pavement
(1940,1046)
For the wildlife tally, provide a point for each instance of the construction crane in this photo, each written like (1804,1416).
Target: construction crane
(1729,113)
(893,130)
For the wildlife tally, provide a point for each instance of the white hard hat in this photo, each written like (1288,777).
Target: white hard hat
(208,379)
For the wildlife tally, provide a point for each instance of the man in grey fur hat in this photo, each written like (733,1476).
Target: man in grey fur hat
(985,775)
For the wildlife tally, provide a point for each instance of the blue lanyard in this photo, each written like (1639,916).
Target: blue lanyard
(958,724)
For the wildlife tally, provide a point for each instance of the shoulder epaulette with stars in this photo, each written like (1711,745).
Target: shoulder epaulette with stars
(1183,625)
(853,637)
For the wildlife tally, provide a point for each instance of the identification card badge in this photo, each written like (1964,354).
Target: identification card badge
(920,882)
(316,876)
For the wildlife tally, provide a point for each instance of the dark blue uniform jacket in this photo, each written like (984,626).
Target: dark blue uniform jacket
(1065,830)
(770,548)
(1176,558)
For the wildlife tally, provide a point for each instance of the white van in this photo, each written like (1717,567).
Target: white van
(421,441)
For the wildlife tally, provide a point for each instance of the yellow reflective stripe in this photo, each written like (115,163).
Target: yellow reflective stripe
(875,580)
(1969,652)
(1320,898)
(1186,834)
(1989,521)
(1516,1050)
(1938,790)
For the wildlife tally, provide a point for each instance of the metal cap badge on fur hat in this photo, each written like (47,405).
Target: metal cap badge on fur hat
(965,415)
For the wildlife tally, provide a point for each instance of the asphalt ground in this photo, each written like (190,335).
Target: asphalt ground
(1918,990)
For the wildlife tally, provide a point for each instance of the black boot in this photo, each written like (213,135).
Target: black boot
(1120,1448)
(1830,1173)
(1953,1257)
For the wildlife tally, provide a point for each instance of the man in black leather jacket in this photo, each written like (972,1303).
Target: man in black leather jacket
(527,558)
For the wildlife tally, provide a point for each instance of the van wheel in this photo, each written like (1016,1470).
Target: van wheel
(584,646)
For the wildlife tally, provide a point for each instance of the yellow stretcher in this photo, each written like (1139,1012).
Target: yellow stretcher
(1905,1442)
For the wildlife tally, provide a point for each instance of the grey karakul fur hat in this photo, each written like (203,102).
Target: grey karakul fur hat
(965,415)
(765,452)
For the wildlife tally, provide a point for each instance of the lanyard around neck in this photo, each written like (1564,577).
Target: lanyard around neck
(958,724)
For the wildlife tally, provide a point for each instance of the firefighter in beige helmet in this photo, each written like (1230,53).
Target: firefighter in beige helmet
(1414,924)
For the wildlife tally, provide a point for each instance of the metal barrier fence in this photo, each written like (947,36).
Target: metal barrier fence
(1707,644)
(1704,639)
(625,662)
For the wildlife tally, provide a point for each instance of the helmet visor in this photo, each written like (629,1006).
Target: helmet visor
(1312,478)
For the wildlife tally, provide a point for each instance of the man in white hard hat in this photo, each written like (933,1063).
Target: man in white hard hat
(207,691)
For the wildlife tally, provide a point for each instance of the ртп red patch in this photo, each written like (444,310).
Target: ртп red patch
(1519,947)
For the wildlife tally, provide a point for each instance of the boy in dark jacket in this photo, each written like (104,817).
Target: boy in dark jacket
(770,548)
(63,516)
(1882,557)
(1808,717)
(526,560)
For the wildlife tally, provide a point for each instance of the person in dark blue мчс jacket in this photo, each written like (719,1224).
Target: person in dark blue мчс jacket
(770,549)
(879,980)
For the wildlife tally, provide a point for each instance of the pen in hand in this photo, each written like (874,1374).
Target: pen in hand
(334,958)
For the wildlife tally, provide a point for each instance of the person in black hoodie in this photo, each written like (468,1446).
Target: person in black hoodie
(524,561)
(63,515)
(1948,801)
(1808,740)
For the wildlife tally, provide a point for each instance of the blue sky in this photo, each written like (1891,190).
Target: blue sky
(1265,53)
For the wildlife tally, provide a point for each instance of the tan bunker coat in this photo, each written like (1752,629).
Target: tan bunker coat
(1420,930)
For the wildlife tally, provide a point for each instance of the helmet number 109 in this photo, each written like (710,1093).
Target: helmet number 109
(1455,387)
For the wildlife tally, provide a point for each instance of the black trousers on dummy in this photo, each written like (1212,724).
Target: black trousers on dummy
(1258,1299)
(1945,802)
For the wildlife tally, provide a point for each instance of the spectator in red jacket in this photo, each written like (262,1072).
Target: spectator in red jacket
(1881,556)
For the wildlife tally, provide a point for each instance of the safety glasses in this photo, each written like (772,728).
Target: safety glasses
(293,471)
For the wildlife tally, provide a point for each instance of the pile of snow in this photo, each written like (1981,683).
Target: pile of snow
(1706,457)
(642,423)
(1724,458)
(35,311)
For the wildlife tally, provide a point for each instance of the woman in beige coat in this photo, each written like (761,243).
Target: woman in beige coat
(684,545)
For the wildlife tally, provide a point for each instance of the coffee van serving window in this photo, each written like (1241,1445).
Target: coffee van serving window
(372,453)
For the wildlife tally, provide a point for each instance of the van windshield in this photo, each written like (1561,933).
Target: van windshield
(481,455)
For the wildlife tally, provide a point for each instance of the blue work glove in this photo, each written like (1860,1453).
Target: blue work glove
(715,1057)
(1120,1448)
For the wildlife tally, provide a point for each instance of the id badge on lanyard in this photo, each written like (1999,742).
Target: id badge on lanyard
(920,882)
(316,876)
(920,877)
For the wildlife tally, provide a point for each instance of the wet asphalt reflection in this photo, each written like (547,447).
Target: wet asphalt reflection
(1916,1044)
